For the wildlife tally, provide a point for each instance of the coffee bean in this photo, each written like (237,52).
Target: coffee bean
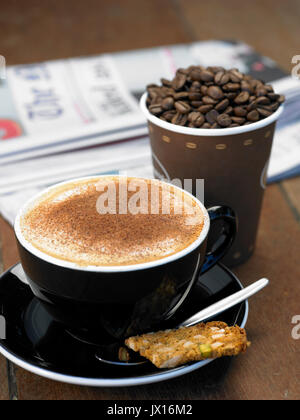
(215,92)
(216,69)
(168,91)
(224,120)
(253,83)
(195,74)
(167,103)
(181,95)
(221,106)
(262,100)
(182,107)
(196,104)
(273,96)
(182,71)
(236,76)
(157,100)
(191,68)
(253,116)
(274,106)
(261,91)
(193,116)
(228,110)
(179,81)
(231,87)
(207,76)
(267,107)
(242,98)
(152,85)
(195,87)
(269,88)
(156,109)
(205,108)
(166,82)
(194,96)
(207,100)
(204,90)
(245,86)
(168,115)
(251,106)
(152,92)
(211,116)
(218,77)
(212,97)
(264,112)
(238,120)
(179,119)
(222,78)
(240,111)
(231,95)
(163,94)
(199,121)
(196,118)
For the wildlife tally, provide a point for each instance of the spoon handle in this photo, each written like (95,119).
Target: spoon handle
(226,303)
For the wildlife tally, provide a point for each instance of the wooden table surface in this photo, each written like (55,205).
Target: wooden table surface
(34,31)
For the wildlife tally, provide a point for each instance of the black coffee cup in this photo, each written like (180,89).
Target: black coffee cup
(125,300)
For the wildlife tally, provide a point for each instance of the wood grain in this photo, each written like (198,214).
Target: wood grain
(292,189)
(270,26)
(35,30)
(3,368)
(9,246)
(277,373)
(4,395)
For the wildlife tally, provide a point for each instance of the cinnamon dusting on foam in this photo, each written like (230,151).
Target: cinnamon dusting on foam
(64,223)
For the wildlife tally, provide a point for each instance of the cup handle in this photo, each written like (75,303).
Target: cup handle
(228,235)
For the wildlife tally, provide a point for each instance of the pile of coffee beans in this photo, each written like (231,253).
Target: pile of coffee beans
(212,97)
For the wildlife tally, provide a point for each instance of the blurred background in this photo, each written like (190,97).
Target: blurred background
(35,30)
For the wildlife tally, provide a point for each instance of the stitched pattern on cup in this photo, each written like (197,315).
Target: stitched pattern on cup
(268,134)
(221,146)
(248,142)
(190,145)
(166,139)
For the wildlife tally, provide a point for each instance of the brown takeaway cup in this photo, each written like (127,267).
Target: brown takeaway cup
(233,163)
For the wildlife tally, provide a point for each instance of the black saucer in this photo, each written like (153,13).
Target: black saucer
(39,344)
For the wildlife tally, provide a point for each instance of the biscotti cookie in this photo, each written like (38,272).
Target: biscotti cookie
(172,348)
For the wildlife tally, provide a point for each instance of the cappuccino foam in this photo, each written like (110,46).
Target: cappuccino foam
(65,223)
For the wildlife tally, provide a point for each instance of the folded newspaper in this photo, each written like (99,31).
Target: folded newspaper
(76,117)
